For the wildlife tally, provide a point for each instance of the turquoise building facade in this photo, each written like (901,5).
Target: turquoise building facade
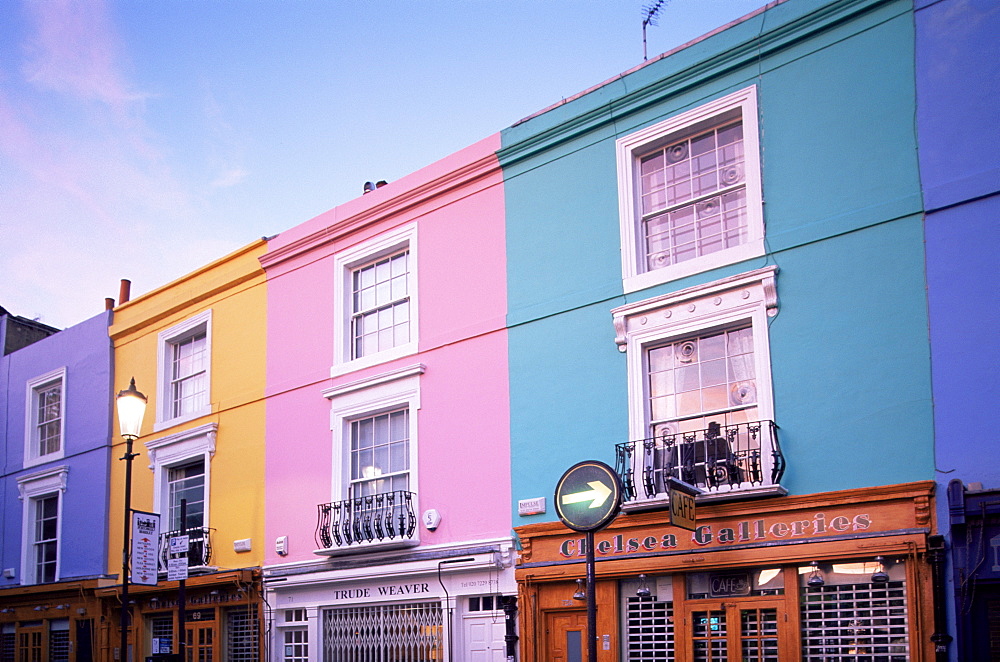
(794,238)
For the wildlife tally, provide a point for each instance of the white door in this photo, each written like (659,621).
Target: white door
(484,638)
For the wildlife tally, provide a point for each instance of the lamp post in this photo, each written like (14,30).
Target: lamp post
(131,407)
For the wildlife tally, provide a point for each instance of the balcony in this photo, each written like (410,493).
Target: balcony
(383,520)
(199,552)
(729,462)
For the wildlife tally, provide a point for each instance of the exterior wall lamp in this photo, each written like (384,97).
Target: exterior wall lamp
(131,408)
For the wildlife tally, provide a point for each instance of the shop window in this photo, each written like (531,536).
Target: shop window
(8,642)
(59,640)
(411,631)
(295,639)
(648,625)
(739,582)
(689,192)
(850,617)
(161,635)
(242,637)
(479,603)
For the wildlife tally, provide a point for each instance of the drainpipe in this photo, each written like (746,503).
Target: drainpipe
(936,559)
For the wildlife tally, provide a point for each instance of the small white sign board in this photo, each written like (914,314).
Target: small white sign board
(145,545)
(177,569)
(179,544)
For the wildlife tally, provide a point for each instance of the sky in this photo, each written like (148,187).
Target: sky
(142,139)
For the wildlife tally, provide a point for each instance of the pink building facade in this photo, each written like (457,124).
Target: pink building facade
(388,520)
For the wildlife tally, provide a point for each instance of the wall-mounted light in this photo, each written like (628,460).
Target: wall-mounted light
(815,579)
(880,576)
(643,590)
(41,608)
(62,606)
(581,593)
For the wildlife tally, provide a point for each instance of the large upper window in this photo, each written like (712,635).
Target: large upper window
(45,420)
(380,305)
(689,191)
(375,300)
(41,494)
(700,407)
(183,387)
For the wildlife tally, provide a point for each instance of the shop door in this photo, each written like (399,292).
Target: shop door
(484,638)
(201,642)
(744,631)
(565,636)
(29,644)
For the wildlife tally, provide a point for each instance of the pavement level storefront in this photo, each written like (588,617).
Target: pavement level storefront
(832,575)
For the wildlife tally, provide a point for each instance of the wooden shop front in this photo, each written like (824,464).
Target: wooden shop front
(833,576)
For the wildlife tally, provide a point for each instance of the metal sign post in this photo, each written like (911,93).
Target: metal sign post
(588,497)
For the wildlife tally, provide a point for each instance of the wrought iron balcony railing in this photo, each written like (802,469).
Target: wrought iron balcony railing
(366,519)
(717,460)
(199,551)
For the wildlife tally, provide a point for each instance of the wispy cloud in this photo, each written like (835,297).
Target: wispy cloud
(90,194)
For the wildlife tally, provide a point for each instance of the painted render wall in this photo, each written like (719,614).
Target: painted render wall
(842,206)
(85,352)
(234,288)
(958,92)
(463,461)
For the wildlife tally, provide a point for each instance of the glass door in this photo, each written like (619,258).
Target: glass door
(744,631)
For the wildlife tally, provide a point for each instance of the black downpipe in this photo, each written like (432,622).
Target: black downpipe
(936,559)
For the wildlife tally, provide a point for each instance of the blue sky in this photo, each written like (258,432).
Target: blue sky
(141,139)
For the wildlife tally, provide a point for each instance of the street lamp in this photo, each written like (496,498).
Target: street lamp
(131,407)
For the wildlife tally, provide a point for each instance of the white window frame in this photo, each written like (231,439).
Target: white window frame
(34,387)
(31,488)
(389,391)
(631,148)
(345,262)
(166,340)
(750,297)
(177,450)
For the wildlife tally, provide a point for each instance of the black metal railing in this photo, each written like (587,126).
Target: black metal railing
(366,519)
(199,551)
(717,459)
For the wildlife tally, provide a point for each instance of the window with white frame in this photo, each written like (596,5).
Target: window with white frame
(186,483)
(689,192)
(41,494)
(374,425)
(45,422)
(183,387)
(181,466)
(380,453)
(700,406)
(375,300)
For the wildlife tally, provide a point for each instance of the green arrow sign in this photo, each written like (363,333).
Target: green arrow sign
(588,496)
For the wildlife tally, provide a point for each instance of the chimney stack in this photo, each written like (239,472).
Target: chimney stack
(123,292)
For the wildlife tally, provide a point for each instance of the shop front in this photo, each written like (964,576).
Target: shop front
(220,613)
(55,622)
(833,576)
(423,608)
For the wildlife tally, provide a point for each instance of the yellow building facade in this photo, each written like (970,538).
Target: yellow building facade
(196,348)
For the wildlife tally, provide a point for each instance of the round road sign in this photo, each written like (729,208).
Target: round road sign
(588,496)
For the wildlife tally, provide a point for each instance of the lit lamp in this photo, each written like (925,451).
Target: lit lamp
(131,407)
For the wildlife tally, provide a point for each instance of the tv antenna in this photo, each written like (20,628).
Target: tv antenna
(650,12)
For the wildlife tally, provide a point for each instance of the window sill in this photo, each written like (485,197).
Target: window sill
(163,425)
(43,459)
(408,349)
(647,279)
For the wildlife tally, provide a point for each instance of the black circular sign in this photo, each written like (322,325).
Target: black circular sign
(588,496)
